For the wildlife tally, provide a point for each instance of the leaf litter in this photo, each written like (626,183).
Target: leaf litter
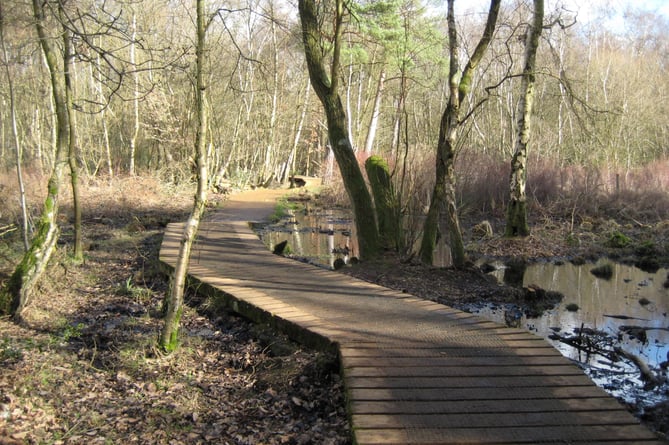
(83,368)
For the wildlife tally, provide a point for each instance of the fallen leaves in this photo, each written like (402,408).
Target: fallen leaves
(84,369)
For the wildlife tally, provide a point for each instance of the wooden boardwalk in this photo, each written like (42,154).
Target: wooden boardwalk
(415,372)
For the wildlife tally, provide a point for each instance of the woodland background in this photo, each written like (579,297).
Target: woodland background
(599,121)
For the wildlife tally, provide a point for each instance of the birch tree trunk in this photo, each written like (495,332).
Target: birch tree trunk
(267,174)
(289,166)
(15,137)
(376,112)
(516,215)
(96,85)
(135,98)
(18,291)
(168,341)
(443,194)
(326,87)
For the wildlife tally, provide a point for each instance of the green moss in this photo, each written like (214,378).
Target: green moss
(386,203)
(172,343)
(516,219)
(618,240)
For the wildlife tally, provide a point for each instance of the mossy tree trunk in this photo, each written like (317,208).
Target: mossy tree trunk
(18,291)
(386,203)
(168,340)
(516,215)
(443,194)
(326,87)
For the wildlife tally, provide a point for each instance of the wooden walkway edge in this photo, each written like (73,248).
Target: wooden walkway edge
(415,372)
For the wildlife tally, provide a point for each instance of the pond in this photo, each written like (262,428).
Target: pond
(627,311)
(596,316)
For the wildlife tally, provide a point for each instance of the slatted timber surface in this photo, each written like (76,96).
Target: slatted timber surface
(415,372)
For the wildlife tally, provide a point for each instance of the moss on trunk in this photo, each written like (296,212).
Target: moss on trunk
(385,202)
(516,219)
(19,287)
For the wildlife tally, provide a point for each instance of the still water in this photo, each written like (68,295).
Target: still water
(629,310)
(631,297)
(319,237)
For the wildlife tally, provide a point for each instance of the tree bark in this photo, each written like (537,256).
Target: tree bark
(169,336)
(376,113)
(289,165)
(443,194)
(326,87)
(18,291)
(135,98)
(516,216)
(96,85)
(267,173)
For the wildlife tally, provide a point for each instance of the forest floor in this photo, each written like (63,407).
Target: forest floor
(83,368)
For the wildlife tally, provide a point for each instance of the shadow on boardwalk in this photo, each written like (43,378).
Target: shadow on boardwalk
(416,372)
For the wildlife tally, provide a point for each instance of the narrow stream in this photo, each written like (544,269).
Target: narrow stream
(628,310)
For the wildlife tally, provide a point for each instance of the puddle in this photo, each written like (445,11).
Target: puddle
(627,311)
(319,237)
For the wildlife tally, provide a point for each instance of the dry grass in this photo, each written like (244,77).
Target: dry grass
(632,196)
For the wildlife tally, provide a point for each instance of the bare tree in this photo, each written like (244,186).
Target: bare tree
(516,217)
(326,87)
(18,291)
(15,135)
(174,301)
(443,194)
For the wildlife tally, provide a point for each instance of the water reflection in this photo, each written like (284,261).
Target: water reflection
(320,237)
(605,305)
(627,311)
(323,236)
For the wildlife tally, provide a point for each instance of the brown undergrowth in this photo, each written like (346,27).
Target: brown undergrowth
(84,369)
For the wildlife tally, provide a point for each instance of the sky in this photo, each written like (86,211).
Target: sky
(588,10)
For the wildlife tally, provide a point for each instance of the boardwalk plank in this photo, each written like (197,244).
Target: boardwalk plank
(506,405)
(459,394)
(494,420)
(515,435)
